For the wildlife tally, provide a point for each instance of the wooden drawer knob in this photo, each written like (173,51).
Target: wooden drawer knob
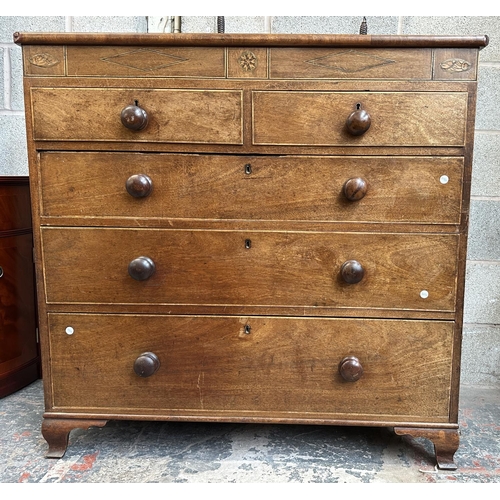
(359,121)
(146,364)
(352,271)
(134,117)
(355,189)
(141,268)
(350,369)
(139,185)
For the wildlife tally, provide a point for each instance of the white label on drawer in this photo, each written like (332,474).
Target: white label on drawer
(444,179)
(70,330)
(424,294)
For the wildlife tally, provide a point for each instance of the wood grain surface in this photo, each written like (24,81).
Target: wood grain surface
(199,116)
(398,119)
(283,366)
(399,189)
(278,268)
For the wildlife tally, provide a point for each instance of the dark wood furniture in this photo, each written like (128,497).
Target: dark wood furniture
(19,353)
(251,228)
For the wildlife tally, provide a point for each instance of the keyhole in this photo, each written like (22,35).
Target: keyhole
(247,329)
(358,106)
(248,169)
(248,243)
(136,102)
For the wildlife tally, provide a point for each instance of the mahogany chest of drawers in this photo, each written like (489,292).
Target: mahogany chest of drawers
(257,228)
(19,353)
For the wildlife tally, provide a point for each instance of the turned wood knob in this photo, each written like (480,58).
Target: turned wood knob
(350,369)
(134,117)
(352,271)
(355,189)
(359,121)
(141,268)
(146,364)
(139,185)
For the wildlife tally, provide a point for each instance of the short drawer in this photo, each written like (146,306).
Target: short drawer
(252,268)
(345,189)
(395,118)
(171,115)
(252,366)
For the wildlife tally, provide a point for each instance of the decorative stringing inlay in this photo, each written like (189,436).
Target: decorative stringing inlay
(248,60)
(350,61)
(43,60)
(144,59)
(455,65)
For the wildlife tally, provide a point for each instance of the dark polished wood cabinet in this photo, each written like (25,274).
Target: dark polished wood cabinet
(251,228)
(19,353)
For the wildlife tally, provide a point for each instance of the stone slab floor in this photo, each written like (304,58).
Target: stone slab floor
(174,452)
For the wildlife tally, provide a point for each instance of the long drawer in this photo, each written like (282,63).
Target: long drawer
(253,268)
(251,366)
(350,189)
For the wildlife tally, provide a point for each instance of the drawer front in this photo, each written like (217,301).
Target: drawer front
(90,265)
(175,116)
(397,118)
(398,189)
(284,367)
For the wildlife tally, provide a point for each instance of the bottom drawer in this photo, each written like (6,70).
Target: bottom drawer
(257,367)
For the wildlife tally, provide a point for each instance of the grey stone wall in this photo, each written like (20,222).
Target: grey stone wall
(481,346)
(13,156)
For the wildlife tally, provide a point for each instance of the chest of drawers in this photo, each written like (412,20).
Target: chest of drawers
(257,228)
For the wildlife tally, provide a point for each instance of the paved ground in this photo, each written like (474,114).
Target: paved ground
(172,452)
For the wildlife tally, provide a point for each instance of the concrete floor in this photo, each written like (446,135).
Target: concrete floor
(172,452)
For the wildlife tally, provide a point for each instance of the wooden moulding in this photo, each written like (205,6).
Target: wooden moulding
(270,40)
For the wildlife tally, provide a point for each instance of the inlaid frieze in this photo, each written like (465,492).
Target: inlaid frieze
(243,62)
(455,64)
(350,61)
(146,60)
(43,60)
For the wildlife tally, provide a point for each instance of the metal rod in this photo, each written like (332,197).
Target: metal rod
(177,24)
